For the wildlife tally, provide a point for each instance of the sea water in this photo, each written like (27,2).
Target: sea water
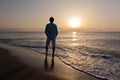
(96,53)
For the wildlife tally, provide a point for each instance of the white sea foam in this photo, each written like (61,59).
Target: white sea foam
(99,65)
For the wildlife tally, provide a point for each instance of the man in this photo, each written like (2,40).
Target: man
(51,32)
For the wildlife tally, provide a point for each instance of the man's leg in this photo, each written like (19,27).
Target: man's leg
(53,46)
(46,47)
(53,51)
(46,50)
(47,44)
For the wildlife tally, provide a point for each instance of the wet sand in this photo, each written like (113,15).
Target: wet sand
(17,63)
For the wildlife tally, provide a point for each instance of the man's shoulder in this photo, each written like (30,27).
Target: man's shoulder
(54,24)
(49,24)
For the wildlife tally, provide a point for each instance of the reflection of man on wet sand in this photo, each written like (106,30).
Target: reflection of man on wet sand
(46,64)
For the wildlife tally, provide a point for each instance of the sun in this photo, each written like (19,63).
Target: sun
(74,22)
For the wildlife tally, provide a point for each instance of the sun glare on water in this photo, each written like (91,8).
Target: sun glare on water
(74,22)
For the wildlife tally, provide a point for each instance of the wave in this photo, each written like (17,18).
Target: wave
(93,61)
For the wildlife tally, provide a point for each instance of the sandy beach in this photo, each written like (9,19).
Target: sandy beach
(17,63)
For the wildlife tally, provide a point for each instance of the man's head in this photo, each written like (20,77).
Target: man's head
(51,19)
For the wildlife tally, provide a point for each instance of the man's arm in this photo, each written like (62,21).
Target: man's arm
(56,31)
(46,30)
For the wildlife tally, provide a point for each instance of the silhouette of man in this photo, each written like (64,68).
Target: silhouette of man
(51,32)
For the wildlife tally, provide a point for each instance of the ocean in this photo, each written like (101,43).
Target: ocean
(95,53)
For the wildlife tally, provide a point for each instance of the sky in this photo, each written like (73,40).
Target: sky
(95,15)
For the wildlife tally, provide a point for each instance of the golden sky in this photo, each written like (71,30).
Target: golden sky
(95,15)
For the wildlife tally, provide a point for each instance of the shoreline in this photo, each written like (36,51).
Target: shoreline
(36,67)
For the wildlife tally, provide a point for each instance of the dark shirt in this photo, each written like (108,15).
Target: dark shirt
(51,31)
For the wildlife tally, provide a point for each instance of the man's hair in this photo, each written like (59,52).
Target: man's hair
(51,19)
